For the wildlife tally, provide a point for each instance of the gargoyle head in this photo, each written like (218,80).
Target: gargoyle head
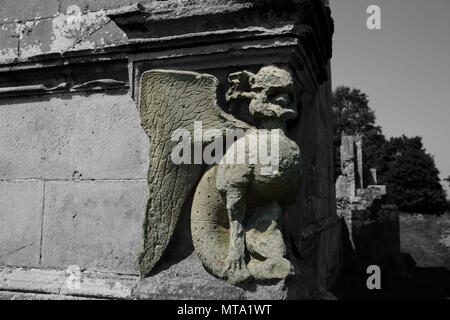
(271,92)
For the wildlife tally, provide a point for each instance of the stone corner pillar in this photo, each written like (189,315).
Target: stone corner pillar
(219,37)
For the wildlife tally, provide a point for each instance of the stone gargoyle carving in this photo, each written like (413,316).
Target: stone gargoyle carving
(237,207)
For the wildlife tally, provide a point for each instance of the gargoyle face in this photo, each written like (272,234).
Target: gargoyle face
(271,92)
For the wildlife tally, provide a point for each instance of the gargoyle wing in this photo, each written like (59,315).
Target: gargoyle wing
(170,100)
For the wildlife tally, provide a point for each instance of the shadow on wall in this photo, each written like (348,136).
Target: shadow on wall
(401,278)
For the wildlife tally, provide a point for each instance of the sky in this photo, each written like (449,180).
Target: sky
(404,67)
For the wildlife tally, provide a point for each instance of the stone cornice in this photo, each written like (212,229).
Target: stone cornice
(302,29)
(213,21)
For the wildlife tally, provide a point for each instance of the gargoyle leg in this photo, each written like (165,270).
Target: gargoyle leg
(235,267)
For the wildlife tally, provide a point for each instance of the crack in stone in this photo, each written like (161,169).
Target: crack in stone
(16,250)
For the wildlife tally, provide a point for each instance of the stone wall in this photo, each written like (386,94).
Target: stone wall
(72,172)
(30,28)
(371,228)
(73,163)
(320,235)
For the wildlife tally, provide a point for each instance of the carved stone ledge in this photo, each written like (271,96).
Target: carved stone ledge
(55,75)
(173,33)
(230,25)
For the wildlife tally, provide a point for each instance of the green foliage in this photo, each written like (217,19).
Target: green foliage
(352,112)
(402,163)
(411,177)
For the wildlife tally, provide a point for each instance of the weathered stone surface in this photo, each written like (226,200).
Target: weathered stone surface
(265,244)
(12,10)
(43,29)
(180,275)
(108,35)
(11,295)
(31,280)
(60,33)
(350,185)
(264,238)
(264,186)
(34,37)
(371,231)
(93,224)
(320,206)
(21,204)
(9,40)
(270,268)
(273,103)
(172,100)
(72,137)
(19,283)
(209,224)
(426,238)
(101,285)
(277,291)
(346,182)
(97,5)
(186,280)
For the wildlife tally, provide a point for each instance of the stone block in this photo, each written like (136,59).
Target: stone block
(66,30)
(20,222)
(347,148)
(9,40)
(320,184)
(187,279)
(108,35)
(38,284)
(31,280)
(105,286)
(36,37)
(23,10)
(60,33)
(73,137)
(321,208)
(95,225)
(97,5)
(11,295)
(328,255)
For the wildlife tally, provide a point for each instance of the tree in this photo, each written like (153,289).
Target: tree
(411,177)
(352,112)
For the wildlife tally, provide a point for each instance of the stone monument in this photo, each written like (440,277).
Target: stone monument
(177,100)
(371,225)
(102,88)
(250,65)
